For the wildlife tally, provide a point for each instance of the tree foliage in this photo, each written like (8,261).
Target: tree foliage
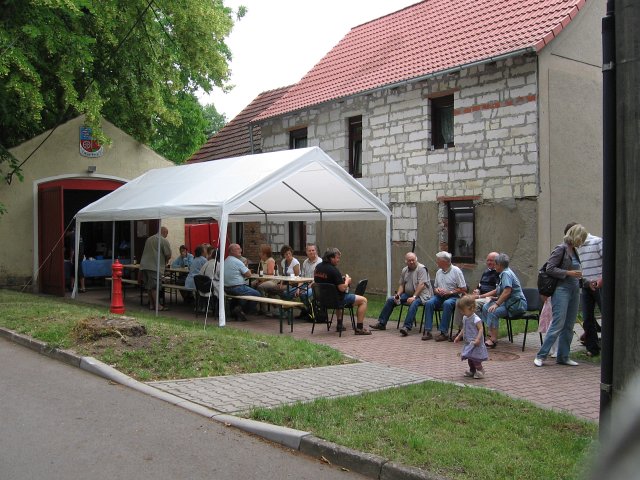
(135,62)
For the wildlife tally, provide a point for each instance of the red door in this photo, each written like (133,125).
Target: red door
(51,228)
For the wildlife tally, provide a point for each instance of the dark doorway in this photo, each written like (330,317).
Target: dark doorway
(58,202)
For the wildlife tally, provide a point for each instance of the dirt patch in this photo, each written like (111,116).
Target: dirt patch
(503,356)
(97,334)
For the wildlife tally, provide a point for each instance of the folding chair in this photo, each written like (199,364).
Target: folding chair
(205,295)
(534,305)
(325,298)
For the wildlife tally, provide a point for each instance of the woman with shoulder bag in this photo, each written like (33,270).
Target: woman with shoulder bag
(564,264)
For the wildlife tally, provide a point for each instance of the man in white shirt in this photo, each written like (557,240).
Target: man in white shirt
(591,259)
(235,274)
(449,285)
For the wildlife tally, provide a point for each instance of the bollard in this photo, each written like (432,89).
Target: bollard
(117,305)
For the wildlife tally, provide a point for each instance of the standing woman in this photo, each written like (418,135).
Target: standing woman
(564,264)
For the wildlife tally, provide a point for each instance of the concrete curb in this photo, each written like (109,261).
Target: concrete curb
(366,464)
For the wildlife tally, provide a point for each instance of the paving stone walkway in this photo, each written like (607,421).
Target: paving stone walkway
(238,393)
(388,360)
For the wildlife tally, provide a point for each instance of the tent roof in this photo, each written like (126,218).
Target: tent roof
(286,185)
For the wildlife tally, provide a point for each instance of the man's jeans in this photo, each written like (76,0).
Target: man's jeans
(244,290)
(448,305)
(564,304)
(390,304)
(590,298)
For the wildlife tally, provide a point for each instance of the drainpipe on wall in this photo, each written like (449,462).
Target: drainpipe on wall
(251,138)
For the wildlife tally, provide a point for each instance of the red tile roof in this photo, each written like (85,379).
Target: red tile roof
(233,139)
(423,39)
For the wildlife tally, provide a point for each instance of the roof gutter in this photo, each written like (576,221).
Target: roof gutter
(496,58)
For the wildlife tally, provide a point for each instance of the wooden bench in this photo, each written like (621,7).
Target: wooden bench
(174,289)
(285,306)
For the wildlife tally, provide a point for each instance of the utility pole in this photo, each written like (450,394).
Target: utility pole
(622,306)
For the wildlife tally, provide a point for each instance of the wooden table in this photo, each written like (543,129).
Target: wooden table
(282,278)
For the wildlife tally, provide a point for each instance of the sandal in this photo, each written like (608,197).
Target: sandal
(490,345)
(362,331)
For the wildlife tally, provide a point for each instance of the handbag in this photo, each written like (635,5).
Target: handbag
(546,283)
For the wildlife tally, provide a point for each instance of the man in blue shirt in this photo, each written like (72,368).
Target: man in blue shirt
(235,274)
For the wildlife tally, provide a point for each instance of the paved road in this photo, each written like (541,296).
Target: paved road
(59,422)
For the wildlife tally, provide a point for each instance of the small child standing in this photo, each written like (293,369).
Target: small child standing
(474,351)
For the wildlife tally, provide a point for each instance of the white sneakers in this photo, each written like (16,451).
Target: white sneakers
(569,362)
(538,362)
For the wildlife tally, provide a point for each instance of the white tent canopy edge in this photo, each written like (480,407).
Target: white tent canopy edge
(287,185)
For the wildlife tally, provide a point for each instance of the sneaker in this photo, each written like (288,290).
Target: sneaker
(404,331)
(469,373)
(442,337)
(553,354)
(538,362)
(569,362)
(362,331)
(378,326)
(478,375)
(427,336)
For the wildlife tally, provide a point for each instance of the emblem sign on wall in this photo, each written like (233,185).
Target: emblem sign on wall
(88,146)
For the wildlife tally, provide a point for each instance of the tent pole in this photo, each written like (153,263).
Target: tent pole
(158,266)
(75,259)
(132,241)
(113,240)
(224,220)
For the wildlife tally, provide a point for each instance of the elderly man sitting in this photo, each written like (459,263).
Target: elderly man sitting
(449,285)
(414,289)
(235,273)
(486,289)
(511,300)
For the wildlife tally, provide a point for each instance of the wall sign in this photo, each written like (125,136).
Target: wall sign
(88,146)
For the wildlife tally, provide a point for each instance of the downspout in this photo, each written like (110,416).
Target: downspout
(251,138)
(608,212)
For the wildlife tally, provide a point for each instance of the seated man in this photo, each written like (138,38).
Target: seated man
(327,272)
(486,289)
(235,273)
(449,285)
(510,300)
(414,289)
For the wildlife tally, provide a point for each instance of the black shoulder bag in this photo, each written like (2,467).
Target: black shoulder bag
(546,283)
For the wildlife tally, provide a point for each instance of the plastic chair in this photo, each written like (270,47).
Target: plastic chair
(325,298)
(534,305)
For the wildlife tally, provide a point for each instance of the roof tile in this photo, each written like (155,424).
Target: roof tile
(423,39)
(233,139)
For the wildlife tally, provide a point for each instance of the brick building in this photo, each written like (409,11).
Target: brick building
(477,122)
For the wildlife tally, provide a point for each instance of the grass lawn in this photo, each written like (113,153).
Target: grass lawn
(458,432)
(171,349)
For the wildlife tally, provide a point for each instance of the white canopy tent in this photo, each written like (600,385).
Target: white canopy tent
(287,185)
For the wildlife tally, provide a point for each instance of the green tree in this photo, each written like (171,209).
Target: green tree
(215,120)
(135,62)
